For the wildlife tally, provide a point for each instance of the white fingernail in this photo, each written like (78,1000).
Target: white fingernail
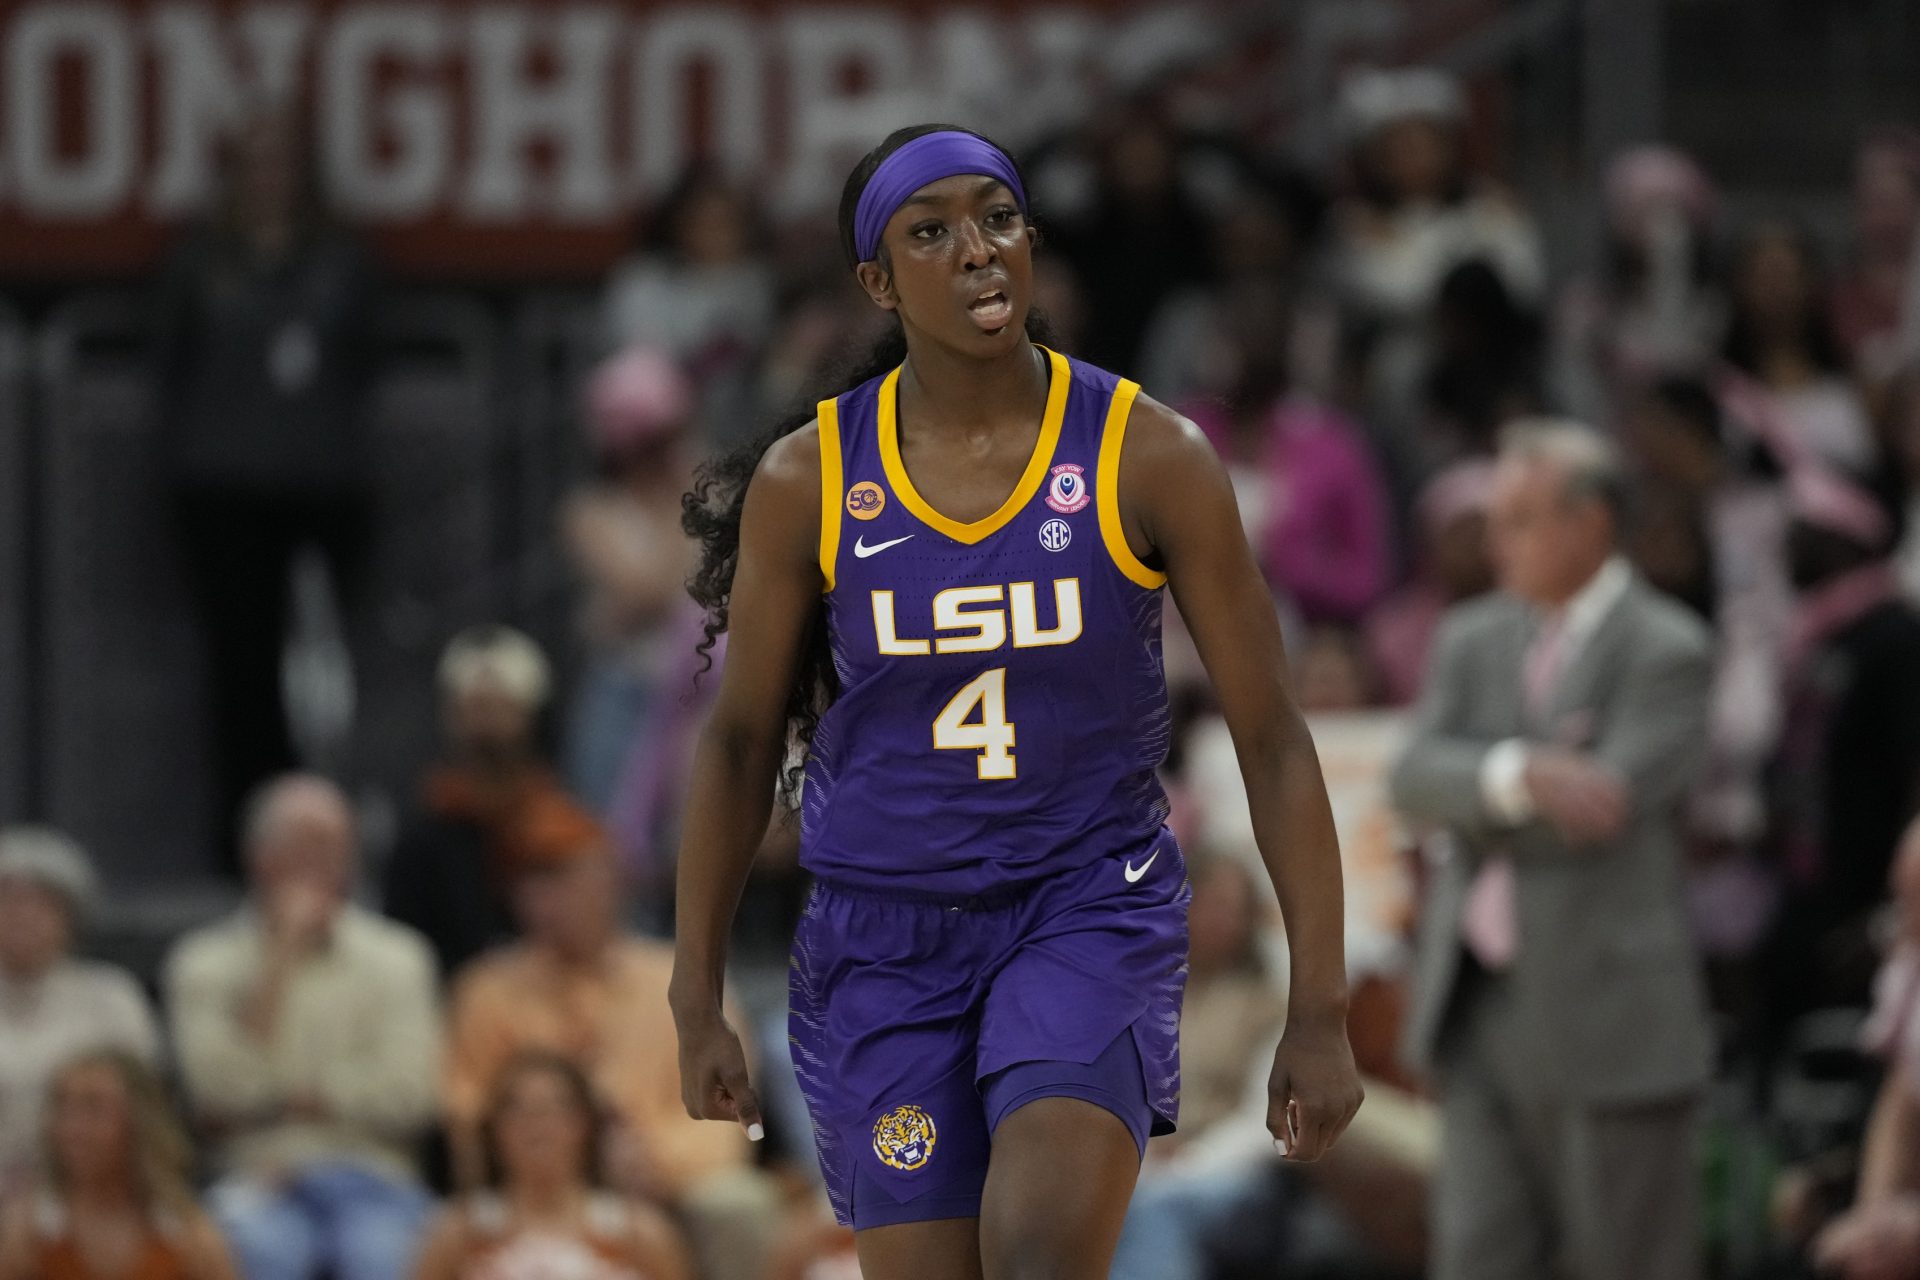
(755,1133)
(1280,1145)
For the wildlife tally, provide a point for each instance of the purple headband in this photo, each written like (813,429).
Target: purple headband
(928,158)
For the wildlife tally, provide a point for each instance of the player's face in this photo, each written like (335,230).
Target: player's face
(961,257)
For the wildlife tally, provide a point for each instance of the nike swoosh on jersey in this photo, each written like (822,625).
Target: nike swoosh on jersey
(862,550)
(1134,873)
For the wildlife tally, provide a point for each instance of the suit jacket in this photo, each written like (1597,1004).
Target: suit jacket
(1606,986)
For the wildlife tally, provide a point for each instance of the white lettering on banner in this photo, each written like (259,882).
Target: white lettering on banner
(508,111)
(567,109)
(416,122)
(668,48)
(96,38)
(205,91)
(829,126)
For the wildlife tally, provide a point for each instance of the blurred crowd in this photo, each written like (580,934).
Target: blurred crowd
(450,1055)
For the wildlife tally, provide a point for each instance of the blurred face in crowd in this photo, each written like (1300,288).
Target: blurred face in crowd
(304,844)
(540,1133)
(1140,159)
(711,229)
(36,928)
(1775,284)
(1886,199)
(1668,544)
(1906,881)
(957,264)
(487,720)
(1220,918)
(1331,675)
(1904,425)
(571,906)
(1669,447)
(1415,157)
(1458,554)
(1254,237)
(1546,542)
(90,1124)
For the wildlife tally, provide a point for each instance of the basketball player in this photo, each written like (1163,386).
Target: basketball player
(947,585)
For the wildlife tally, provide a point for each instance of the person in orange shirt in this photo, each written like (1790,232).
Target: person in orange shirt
(579,986)
(115,1201)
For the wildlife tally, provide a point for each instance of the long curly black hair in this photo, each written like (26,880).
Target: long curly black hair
(710,511)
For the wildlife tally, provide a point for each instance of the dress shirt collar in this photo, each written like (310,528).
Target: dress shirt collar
(1589,607)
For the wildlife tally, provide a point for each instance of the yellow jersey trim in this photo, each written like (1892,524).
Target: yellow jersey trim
(831,482)
(1107,490)
(1030,479)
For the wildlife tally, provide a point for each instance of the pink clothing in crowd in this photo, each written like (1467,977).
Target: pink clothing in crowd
(1314,506)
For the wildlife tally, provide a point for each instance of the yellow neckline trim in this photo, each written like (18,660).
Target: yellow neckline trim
(1030,479)
(1107,490)
(830,484)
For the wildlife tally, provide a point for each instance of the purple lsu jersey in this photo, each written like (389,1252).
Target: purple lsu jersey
(1002,709)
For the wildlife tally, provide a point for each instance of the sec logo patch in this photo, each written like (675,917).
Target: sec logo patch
(1055,535)
(866,500)
(903,1138)
(1067,489)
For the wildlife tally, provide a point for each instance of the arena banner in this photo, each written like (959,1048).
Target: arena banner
(517,138)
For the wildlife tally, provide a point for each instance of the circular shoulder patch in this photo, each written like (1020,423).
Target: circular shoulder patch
(1067,489)
(866,500)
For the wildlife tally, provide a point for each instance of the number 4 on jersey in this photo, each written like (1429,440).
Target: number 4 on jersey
(992,737)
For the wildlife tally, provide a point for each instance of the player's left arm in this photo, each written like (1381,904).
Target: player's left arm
(1177,507)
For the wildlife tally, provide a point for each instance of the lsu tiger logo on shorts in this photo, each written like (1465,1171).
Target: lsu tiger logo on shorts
(903,1138)
(1067,490)
(865,500)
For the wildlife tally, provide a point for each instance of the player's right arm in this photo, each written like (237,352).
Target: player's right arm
(776,589)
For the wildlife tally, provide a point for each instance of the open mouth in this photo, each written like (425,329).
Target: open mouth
(991,310)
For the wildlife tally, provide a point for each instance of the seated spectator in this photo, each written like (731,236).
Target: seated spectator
(1415,210)
(623,539)
(52,1006)
(1450,565)
(455,855)
(307,1034)
(1846,776)
(1879,1238)
(1871,294)
(546,1212)
(114,1200)
(700,287)
(579,986)
(1654,306)
(1781,336)
(1693,457)
(1216,1188)
(1310,494)
(1230,1022)
(1484,369)
(1901,433)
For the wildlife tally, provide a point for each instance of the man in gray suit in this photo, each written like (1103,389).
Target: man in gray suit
(1557,1004)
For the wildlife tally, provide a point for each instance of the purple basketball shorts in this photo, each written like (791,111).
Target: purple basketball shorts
(918,1023)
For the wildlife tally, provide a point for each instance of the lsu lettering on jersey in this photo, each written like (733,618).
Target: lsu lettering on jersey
(1003,704)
